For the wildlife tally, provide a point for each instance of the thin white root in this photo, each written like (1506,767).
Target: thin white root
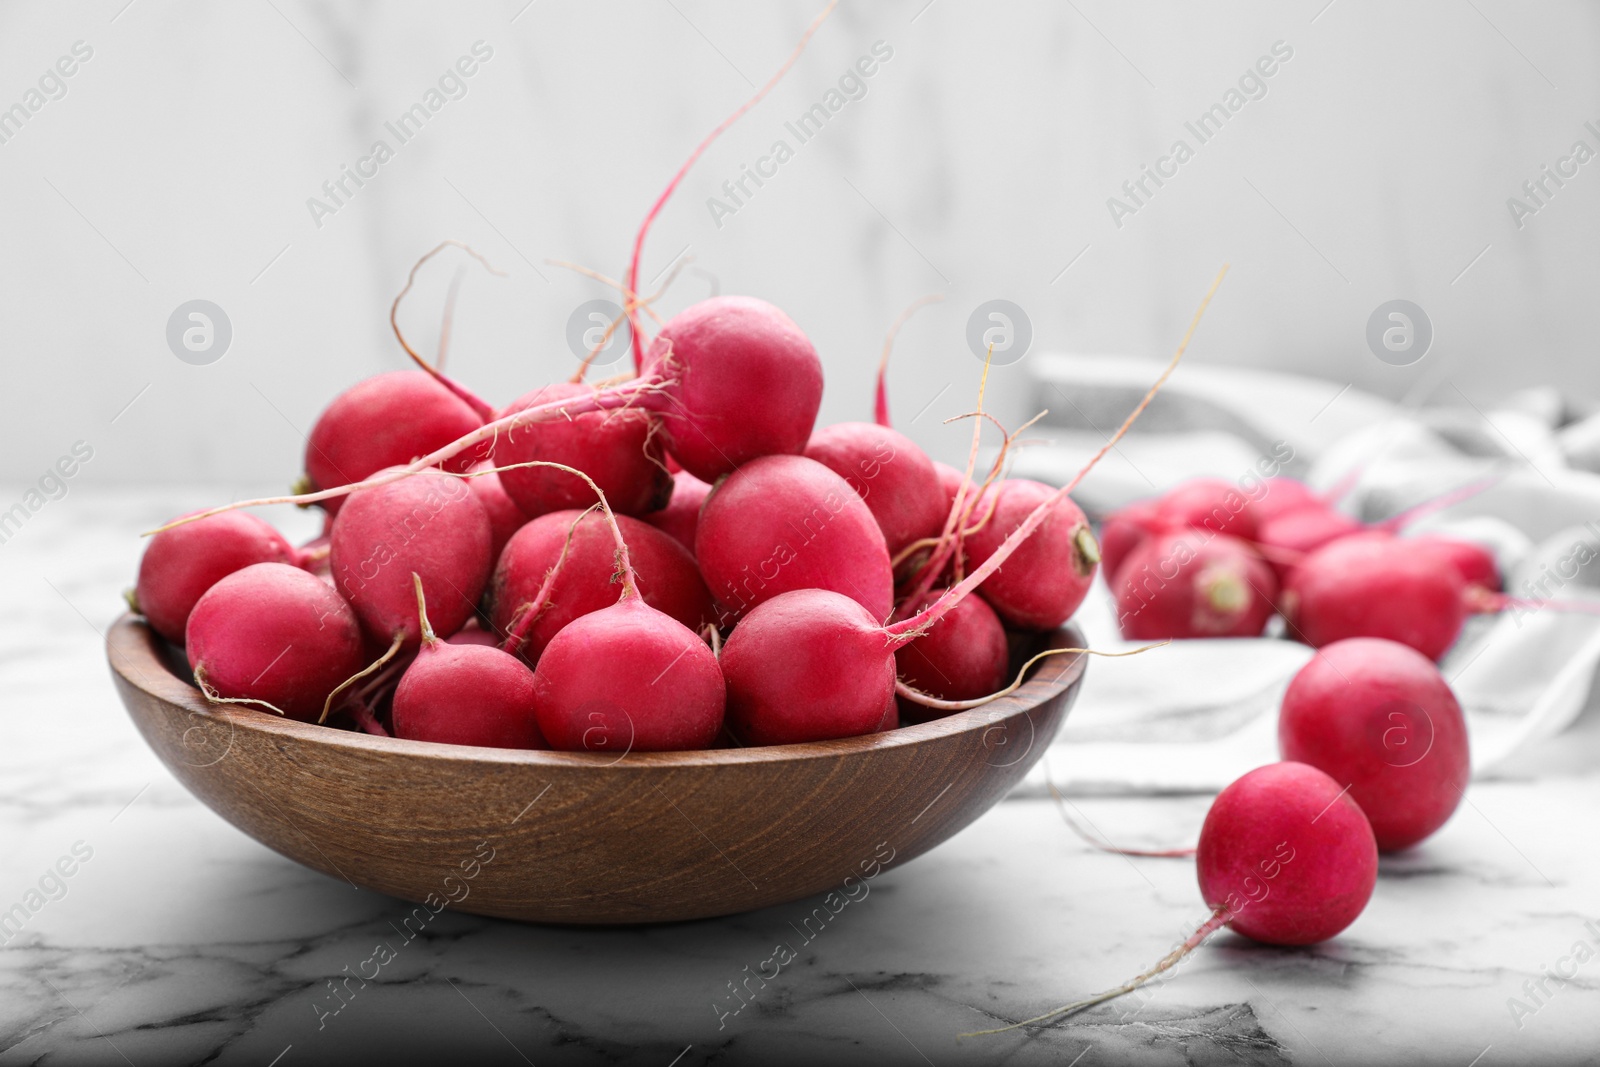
(917,696)
(394,649)
(216,698)
(1219,918)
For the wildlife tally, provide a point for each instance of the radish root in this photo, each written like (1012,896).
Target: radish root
(880,404)
(666,194)
(917,696)
(216,698)
(394,650)
(483,408)
(1219,918)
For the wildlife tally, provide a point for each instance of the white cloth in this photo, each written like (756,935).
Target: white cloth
(1195,715)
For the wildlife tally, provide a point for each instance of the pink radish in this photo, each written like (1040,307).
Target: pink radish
(273,635)
(1210,504)
(747,384)
(808,665)
(963,658)
(1374,585)
(813,663)
(430,524)
(888,471)
(474,635)
(505,517)
(1474,562)
(628,677)
(950,482)
(1377,716)
(782,523)
(464,694)
(1123,531)
(681,517)
(620,450)
(1283,494)
(530,607)
(1194,583)
(180,564)
(1306,529)
(386,421)
(1051,572)
(1285,858)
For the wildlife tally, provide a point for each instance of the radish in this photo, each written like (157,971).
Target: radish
(950,482)
(888,471)
(963,658)
(746,384)
(808,665)
(386,421)
(1378,716)
(180,564)
(628,677)
(1123,531)
(1050,573)
(783,523)
(1302,530)
(1281,494)
(681,517)
(1194,583)
(530,606)
(505,517)
(464,694)
(620,450)
(1285,858)
(1208,503)
(473,635)
(273,635)
(430,524)
(812,663)
(1374,585)
(1473,562)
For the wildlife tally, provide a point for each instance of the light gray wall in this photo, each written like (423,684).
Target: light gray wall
(978,163)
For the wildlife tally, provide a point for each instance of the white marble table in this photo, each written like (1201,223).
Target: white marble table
(181,940)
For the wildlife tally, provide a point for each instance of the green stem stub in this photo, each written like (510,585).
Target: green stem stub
(1087,553)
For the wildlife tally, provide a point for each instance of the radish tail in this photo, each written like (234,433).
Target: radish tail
(1106,846)
(394,649)
(917,696)
(666,194)
(1219,918)
(880,406)
(903,632)
(517,633)
(482,407)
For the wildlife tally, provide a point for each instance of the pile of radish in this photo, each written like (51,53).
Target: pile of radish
(678,560)
(1213,559)
(546,578)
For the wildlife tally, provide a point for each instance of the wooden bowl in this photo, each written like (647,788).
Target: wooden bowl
(578,837)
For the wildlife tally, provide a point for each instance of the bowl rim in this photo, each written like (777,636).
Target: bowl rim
(132,653)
